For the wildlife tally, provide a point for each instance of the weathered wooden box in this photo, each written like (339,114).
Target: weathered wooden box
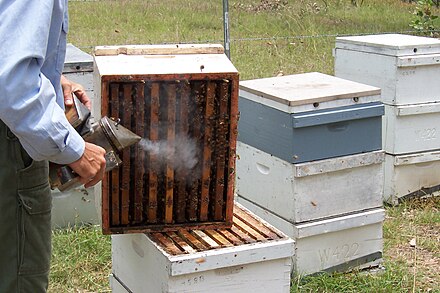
(76,207)
(252,256)
(411,175)
(183,100)
(411,128)
(312,190)
(405,67)
(311,116)
(337,244)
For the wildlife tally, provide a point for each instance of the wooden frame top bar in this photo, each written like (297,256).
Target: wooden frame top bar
(176,49)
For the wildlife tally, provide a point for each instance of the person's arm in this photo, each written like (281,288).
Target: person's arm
(30,68)
(27,95)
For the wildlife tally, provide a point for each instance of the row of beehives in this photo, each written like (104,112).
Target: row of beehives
(310,147)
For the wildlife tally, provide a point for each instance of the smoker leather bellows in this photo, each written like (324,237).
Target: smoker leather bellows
(182,100)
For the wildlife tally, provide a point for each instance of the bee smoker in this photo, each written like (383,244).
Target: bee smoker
(106,133)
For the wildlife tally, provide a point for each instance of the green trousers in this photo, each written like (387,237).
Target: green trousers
(25,211)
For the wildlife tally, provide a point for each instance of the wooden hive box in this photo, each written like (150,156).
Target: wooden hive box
(312,190)
(336,244)
(411,128)
(312,116)
(251,256)
(411,175)
(405,67)
(183,100)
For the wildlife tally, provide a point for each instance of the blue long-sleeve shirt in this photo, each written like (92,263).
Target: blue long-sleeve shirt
(32,51)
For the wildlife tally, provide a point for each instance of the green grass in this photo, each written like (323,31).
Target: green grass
(295,38)
(81,260)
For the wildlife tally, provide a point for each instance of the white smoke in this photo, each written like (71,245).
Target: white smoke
(181,155)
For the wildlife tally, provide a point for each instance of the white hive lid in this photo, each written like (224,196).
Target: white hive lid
(307,88)
(390,44)
(141,60)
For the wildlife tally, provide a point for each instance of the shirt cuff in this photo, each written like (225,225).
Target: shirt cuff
(73,150)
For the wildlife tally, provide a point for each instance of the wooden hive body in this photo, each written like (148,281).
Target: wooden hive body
(251,256)
(183,101)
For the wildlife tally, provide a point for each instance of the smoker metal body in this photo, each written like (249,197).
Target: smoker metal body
(106,133)
(164,93)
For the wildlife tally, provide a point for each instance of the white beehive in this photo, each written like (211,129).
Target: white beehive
(411,175)
(405,67)
(252,256)
(411,128)
(312,190)
(337,244)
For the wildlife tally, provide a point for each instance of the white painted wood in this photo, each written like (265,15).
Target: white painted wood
(306,89)
(338,164)
(116,286)
(74,208)
(431,59)
(411,128)
(406,68)
(406,174)
(309,191)
(308,107)
(332,243)
(144,267)
(129,65)
(390,44)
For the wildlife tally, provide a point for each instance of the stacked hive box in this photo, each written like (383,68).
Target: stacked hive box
(77,206)
(251,256)
(309,161)
(407,69)
(182,100)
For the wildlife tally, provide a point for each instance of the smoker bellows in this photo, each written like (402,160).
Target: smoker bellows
(182,100)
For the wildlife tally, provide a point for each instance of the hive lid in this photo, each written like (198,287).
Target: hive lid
(77,60)
(306,88)
(162,60)
(390,44)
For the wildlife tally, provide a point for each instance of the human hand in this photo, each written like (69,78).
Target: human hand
(70,87)
(91,166)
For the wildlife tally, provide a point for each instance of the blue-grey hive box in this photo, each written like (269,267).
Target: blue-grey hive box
(311,116)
